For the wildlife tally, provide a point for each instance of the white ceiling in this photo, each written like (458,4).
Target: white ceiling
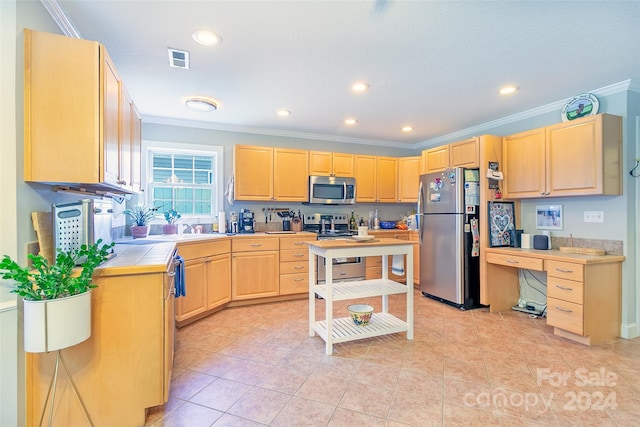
(435,65)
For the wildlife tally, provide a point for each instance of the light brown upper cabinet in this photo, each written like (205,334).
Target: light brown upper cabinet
(408,178)
(72,113)
(464,154)
(376,179)
(266,173)
(331,164)
(576,158)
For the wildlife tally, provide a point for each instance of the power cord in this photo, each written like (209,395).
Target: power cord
(632,171)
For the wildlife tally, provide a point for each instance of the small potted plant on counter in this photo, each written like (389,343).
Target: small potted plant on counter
(171,216)
(57,297)
(140,216)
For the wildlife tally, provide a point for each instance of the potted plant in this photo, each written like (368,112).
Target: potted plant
(57,297)
(171,216)
(140,216)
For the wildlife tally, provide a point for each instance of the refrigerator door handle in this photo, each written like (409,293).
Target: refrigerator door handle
(418,218)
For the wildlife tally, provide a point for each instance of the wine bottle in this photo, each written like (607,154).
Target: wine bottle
(353,225)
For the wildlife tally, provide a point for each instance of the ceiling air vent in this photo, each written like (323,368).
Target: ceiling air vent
(179,58)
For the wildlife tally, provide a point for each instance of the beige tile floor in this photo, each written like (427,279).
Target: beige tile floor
(256,366)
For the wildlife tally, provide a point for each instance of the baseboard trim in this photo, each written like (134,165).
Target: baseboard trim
(629,331)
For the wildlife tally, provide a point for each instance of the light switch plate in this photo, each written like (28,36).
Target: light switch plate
(593,216)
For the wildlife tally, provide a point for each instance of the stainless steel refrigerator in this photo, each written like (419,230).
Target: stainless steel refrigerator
(448,223)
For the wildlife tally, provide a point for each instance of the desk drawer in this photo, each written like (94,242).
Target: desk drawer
(565,315)
(258,244)
(567,290)
(300,254)
(515,261)
(565,270)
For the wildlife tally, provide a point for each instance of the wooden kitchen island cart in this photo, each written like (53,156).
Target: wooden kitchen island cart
(382,323)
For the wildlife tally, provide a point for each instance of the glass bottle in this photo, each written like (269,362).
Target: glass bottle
(353,225)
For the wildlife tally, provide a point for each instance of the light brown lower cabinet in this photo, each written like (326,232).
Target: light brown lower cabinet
(207,277)
(255,268)
(294,264)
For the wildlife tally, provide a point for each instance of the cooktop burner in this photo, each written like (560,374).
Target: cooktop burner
(327,226)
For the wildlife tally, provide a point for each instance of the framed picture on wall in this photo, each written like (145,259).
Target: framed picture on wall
(501,222)
(549,217)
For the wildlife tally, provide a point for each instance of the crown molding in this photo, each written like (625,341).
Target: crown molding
(63,21)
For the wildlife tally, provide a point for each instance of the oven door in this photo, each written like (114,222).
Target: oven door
(344,269)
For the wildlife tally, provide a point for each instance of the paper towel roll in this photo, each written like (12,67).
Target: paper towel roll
(526,241)
(222,223)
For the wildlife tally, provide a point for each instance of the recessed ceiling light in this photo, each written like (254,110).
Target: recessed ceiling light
(359,87)
(350,122)
(407,128)
(508,90)
(284,113)
(201,104)
(207,38)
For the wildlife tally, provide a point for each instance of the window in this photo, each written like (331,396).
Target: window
(184,177)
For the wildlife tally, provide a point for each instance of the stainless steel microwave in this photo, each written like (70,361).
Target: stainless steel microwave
(332,190)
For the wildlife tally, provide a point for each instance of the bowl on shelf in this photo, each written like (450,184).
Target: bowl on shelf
(387,225)
(360,313)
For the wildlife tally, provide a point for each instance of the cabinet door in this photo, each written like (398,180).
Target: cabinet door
(111,121)
(523,163)
(126,107)
(291,175)
(464,154)
(320,163)
(387,179)
(136,149)
(366,185)
(435,159)
(253,169)
(343,164)
(254,275)
(194,302)
(408,179)
(218,280)
(414,237)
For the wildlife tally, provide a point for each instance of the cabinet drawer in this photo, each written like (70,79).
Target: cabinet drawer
(293,267)
(189,250)
(257,244)
(373,273)
(296,243)
(567,290)
(299,254)
(515,261)
(373,261)
(565,270)
(565,315)
(294,283)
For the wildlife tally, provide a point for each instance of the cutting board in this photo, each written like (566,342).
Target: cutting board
(583,251)
(42,223)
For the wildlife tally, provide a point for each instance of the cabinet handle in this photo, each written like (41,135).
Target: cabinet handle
(207,260)
(542,193)
(256,244)
(299,279)
(512,261)
(298,267)
(562,270)
(298,255)
(122,182)
(298,243)
(564,288)
(566,310)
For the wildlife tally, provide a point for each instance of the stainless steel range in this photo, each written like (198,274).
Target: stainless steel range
(331,226)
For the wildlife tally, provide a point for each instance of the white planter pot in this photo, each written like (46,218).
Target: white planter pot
(56,324)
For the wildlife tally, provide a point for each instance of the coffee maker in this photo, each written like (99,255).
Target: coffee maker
(246,221)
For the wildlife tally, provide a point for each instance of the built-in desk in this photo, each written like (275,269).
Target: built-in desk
(583,291)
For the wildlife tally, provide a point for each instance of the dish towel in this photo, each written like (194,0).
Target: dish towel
(180,279)
(397,265)
(228,193)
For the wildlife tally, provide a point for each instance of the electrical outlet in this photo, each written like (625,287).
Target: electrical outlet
(593,216)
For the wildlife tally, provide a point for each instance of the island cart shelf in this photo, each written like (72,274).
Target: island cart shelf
(343,329)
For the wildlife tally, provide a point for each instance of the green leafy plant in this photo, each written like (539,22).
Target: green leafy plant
(46,281)
(141,214)
(172,216)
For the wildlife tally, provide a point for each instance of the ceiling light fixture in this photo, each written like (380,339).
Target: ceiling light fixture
(350,122)
(206,38)
(201,104)
(508,90)
(359,87)
(284,113)
(407,128)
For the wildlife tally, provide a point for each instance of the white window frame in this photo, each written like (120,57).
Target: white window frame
(148,146)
